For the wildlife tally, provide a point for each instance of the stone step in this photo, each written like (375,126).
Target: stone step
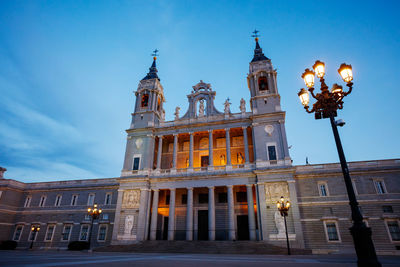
(206,247)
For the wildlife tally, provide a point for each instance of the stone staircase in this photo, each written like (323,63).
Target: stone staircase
(202,247)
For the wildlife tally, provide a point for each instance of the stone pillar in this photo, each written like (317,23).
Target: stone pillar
(250,211)
(211,213)
(294,209)
(171,216)
(159,154)
(231,213)
(175,151)
(246,145)
(117,217)
(142,214)
(228,147)
(189,214)
(210,150)
(191,151)
(285,147)
(154,215)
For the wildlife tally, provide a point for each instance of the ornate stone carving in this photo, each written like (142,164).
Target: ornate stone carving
(131,199)
(201,108)
(138,143)
(273,192)
(269,129)
(202,86)
(242,105)
(128,225)
(279,223)
(227,105)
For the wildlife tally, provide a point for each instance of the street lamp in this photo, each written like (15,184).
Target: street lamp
(94,214)
(326,106)
(34,230)
(283,207)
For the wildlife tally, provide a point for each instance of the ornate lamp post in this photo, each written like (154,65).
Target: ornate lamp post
(94,214)
(326,106)
(35,230)
(283,207)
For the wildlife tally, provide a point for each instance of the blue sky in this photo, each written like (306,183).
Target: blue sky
(68,70)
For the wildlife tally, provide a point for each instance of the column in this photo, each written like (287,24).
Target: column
(191,151)
(211,213)
(189,214)
(285,147)
(228,147)
(159,154)
(142,214)
(231,213)
(154,215)
(250,211)
(171,216)
(246,145)
(210,150)
(117,216)
(175,151)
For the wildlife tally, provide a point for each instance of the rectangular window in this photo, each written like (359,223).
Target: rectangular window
(241,197)
(222,197)
(42,201)
(102,233)
(331,231)
(323,189)
(136,161)
(87,217)
(387,209)
(50,232)
(380,187)
(74,200)
(271,153)
(18,232)
(28,201)
(83,236)
(66,232)
(105,216)
(184,199)
(107,201)
(203,198)
(58,201)
(394,230)
(90,201)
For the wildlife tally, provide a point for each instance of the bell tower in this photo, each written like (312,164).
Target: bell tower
(261,81)
(149,109)
(148,113)
(268,118)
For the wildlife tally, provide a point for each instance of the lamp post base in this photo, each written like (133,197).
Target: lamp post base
(364,246)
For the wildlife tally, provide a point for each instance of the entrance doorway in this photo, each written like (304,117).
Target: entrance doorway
(165,229)
(243,227)
(202,223)
(204,161)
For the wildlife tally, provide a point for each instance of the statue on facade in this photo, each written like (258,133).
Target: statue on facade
(177,113)
(128,224)
(242,105)
(201,108)
(227,105)
(279,223)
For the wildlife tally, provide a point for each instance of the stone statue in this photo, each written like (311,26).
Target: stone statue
(242,105)
(128,225)
(201,108)
(177,113)
(227,105)
(279,223)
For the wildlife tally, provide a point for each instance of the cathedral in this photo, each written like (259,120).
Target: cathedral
(212,175)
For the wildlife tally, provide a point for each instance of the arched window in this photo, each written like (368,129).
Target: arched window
(262,83)
(145,101)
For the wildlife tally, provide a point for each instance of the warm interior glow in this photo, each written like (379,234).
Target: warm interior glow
(337,89)
(304,97)
(319,68)
(346,72)
(308,77)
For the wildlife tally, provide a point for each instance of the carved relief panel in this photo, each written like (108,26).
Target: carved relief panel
(274,191)
(131,199)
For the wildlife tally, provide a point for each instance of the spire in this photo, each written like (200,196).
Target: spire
(152,74)
(258,54)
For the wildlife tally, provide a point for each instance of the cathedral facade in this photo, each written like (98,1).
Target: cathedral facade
(212,175)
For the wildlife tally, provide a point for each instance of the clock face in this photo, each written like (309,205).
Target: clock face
(139,143)
(269,129)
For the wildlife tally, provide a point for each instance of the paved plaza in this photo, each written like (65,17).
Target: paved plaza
(66,258)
